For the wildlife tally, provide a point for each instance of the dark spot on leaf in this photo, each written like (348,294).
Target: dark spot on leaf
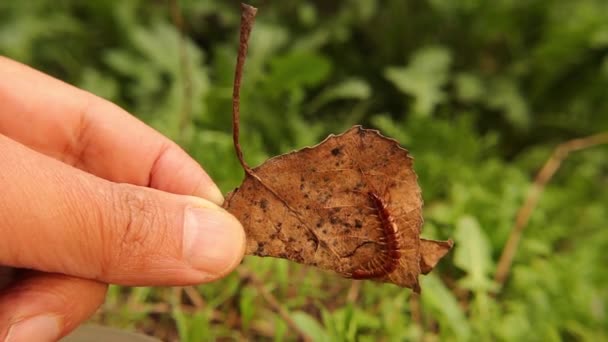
(264,204)
(260,249)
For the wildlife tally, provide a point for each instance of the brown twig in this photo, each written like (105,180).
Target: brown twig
(186,111)
(247,21)
(194,296)
(176,297)
(353,292)
(273,302)
(545,174)
(416,310)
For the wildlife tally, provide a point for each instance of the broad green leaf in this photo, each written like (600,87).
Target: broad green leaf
(423,78)
(299,69)
(505,96)
(439,301)
(469,87)
(310,325)
(353,88)
(472,254)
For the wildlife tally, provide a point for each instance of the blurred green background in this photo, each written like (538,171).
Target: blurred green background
(480,92)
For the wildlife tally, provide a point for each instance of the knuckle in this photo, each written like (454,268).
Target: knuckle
(135,232)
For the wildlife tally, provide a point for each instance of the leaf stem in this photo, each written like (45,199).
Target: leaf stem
(247,20)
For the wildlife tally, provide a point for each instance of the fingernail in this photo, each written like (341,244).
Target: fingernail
(215,195)
(213,241)
(210,191)
(38,328)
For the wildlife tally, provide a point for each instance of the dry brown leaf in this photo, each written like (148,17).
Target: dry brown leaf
(312,206)
(350,204)
(431,251)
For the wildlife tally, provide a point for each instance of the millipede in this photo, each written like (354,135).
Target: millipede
(391,237)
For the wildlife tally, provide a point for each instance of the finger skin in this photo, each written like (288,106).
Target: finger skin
(59,219)
(87,132)
(94,135)
(70,300)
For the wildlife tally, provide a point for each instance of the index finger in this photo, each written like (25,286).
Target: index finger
(93,134)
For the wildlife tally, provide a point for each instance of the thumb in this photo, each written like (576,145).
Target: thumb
(56,218)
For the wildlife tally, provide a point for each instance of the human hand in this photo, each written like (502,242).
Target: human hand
(92,196)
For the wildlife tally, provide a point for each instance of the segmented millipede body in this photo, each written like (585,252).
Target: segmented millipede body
(392,250)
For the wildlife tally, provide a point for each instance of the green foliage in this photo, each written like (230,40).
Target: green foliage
(473,256)
(424,78)
(479,91)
